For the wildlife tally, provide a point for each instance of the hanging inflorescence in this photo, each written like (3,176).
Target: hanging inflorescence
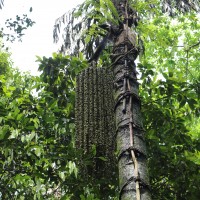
(95,126)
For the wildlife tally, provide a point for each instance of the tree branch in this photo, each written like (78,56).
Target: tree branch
(194,45)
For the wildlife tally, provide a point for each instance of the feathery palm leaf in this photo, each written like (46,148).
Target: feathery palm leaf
(85,23)
(1,4)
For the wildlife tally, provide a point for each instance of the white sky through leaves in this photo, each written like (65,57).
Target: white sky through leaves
(38,40)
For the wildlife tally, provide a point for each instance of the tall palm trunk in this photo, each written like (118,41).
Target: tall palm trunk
(133,174)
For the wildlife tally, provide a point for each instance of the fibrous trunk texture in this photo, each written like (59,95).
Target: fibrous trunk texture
(131,148)
(94,118)
(130,133)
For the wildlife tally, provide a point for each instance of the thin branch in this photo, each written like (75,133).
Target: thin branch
(190,47)
(187,51)
(187,63)
(194,45)
(151,102)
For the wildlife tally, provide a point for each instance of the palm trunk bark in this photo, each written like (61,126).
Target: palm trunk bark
(133,173)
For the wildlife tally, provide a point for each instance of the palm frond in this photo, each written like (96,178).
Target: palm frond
(183,6)
(1,4)
(85,26)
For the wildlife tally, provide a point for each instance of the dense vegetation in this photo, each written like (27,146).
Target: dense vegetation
(38,159)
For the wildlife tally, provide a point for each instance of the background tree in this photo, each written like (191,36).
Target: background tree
(37,155)
(14,29)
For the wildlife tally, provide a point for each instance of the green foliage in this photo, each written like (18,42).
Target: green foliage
(86,26)
(15,28)
(37,153)
(170,93)
(38,157)
(4,62)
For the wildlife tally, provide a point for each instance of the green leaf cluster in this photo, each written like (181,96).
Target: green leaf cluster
(38,157)
(14,28)
(169,88)
(85,25)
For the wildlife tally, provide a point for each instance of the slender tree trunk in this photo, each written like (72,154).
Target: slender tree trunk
(133,174)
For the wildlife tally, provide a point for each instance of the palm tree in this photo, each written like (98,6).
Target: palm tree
(133,173)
